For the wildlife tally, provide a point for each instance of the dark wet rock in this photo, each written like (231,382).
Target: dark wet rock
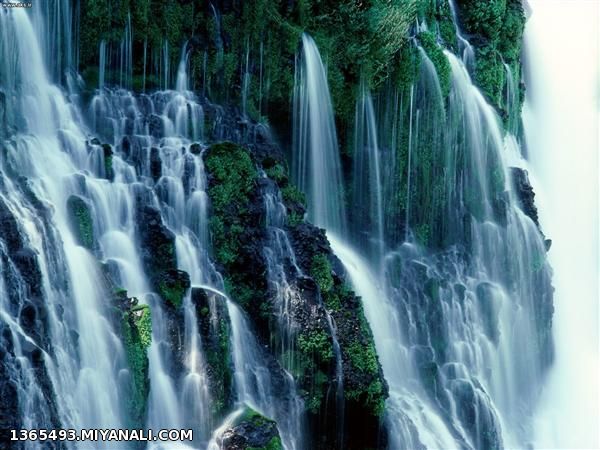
(11,234)
(10,417)
(214,327)
(251,431)
(195,149)
(322,290)
(107,153)
(156,126)
(80,220)
(158,256)
(155,164)
(26,261)
(524,192)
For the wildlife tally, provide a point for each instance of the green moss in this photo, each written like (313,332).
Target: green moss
(136,328)
(423,234)
(173,287)
(277,173)
(364,357)
(219,359)
(316,343)
(234,175)
(274,444)
(439,60)
(483,17)
(258,421)
(489,73)
(321,272)
(294,219)
(80,219)
(498,26)
(291,193)
(240,290)
(407,68)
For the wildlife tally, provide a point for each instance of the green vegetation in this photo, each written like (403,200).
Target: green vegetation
(291,193)
(276,172)
(173,286)
(232,181)
(80,219)
(233,173)
(136,328)
(321,273)
(317,343)
(498,27)
(357,40)
(439,60)
(268,427)
(214,327)
(232,177)
(363,358)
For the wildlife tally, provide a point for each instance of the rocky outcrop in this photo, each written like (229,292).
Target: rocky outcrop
(80,220)
(136,332)
(214,327)
(158,256)
(320,296)
(251,431)
(524,192)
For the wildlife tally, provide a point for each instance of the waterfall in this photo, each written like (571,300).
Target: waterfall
(367,176)
(461,338)
(118,308)
(257,387)
(102,64)
(317,166)
(84,359)
(126,56)
(181,82)
(561,128)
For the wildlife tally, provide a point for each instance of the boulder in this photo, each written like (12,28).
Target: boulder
(251,431)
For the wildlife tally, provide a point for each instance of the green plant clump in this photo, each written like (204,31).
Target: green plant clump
(81,222)
(439,60)
(136,327)
(321,272)
(232,177)
(316,343)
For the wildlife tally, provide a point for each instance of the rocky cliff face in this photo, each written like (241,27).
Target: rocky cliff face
(318,312)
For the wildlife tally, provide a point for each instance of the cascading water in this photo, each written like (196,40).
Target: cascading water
(104,209)
(561,127)
(317,164)
(81,340)
(367,177)
(450,327)
(153,169)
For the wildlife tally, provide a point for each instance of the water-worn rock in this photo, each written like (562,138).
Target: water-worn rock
(240,240)
(214,327)
(251,431)
(524,192)
(80,220)
(158,256)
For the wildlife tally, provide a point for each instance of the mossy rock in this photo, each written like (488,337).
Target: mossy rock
(251,431)
(136,329)
(107,154)
(173,285)
(439,60)
(80,220)
(214,326)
